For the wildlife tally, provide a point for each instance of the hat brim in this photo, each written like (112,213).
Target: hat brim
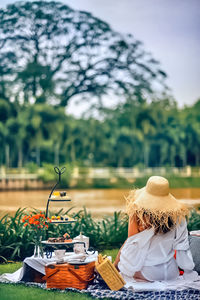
(145,200)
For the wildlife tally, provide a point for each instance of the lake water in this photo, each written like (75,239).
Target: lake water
(99,202)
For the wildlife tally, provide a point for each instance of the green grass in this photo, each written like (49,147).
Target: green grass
(20,292)
(10,267)
(123,183)
(103,183)
(175,182)
(112,252)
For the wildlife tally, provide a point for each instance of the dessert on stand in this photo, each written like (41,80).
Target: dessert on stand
(65,241)
(60,254)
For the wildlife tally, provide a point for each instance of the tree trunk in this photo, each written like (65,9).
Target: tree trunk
(120,161)
(146,155)
(72,152)
(20,157)
(34,86)
(197,156)
(7,154)
(56,155)
(172,156)
(184,156)
(38,156)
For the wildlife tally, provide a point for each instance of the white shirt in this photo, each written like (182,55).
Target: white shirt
(153,255)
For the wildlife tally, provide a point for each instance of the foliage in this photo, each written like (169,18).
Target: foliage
(64,53)
(48,175)
(106,233)
(36,221)
(175,181)
(32,167)
(194,220)
(67,55)
(39,224)
(104,183)
(16,241)
(143,135)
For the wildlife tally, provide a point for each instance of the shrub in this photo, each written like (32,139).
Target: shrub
(16,241)
(194,220)
(32,167)
(48,176)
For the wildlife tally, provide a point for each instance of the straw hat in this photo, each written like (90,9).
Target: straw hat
(155,200)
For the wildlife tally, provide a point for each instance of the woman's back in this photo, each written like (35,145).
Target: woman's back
(161,248)
(160,263)
(157,227)
(153,254)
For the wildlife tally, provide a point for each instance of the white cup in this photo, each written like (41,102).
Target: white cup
(79,248)
(59,254)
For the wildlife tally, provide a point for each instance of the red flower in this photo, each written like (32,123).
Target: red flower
(37,221)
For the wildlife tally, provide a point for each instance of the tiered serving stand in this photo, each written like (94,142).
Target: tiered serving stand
(49,247)
(57,199)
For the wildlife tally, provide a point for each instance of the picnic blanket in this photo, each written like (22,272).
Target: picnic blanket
(99,290)
(179,289)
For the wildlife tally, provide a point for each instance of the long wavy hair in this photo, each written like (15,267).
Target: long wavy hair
(162,221)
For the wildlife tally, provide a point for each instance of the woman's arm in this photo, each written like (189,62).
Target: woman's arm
(117,259)
(132,226)
(184,257)
(132,229)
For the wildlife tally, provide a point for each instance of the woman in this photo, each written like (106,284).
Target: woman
(157,227)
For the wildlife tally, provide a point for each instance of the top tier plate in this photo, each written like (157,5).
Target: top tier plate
(59,198)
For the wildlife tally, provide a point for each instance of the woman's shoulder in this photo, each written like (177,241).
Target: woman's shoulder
(141,237)
(181,224)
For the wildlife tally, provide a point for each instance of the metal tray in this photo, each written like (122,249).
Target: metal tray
(57,243)
(62,222)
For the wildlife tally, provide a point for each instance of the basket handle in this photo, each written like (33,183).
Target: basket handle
(70,270)
(81,279)
(50,274)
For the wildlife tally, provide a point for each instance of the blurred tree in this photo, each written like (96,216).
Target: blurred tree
(45,125)
(16,136)
(191,124)
(51,53)
(43,133)
(7,67)
(8,111)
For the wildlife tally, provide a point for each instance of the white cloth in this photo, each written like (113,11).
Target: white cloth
(39,264)
(178,284)
(153,255)
(12,277)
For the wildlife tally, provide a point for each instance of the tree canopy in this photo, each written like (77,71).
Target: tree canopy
(50,53)
(133,134)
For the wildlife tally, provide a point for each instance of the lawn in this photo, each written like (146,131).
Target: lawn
(20,292)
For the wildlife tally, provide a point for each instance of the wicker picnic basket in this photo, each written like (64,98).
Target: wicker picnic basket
(62,276)
(109,273)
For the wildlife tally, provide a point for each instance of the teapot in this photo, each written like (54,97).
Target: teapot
(81,248)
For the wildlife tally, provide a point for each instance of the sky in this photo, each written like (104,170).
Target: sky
(169,29)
